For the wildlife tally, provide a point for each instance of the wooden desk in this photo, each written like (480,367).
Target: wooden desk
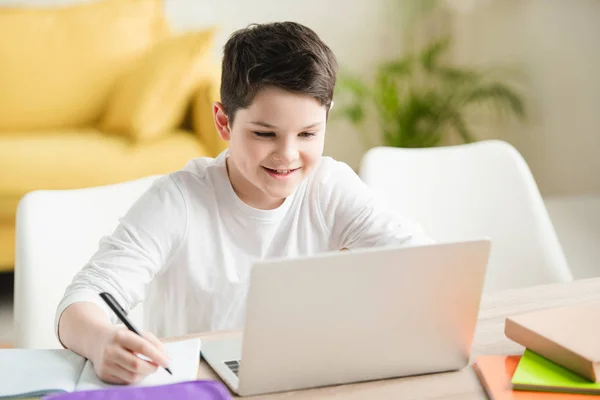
(463,384)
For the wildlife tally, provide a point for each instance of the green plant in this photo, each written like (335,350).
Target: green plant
(419,99)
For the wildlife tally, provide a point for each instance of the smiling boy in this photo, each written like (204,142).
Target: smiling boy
(186,246)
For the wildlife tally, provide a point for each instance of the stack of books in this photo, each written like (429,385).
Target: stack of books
(561,358)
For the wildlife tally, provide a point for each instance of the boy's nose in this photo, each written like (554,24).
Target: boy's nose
(286,154)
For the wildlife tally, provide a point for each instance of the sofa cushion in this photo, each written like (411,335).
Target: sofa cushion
(76,159)
(153,97)
(59,64)
(7,245)
(202,116)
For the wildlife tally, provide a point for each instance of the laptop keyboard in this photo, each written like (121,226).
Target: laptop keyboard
(234,366)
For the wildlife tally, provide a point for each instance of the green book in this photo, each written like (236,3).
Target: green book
(537,373)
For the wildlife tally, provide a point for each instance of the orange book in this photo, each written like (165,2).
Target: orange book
(567,336)
(495,373)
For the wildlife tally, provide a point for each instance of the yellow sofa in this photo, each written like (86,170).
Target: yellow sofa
(98,93)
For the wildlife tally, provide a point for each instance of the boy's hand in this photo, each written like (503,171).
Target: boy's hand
(116,358)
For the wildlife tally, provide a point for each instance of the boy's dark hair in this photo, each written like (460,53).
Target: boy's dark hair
(286,55)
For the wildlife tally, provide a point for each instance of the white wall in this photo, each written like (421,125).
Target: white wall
(556,43)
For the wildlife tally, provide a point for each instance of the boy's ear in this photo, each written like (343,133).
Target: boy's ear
(331,105)
(221,121)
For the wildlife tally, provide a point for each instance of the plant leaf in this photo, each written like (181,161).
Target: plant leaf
(461,127)
(430,57)
(397,68)
(351,84)
(355,113)
(458,75)
(500,95)
(385,95)
(417,123)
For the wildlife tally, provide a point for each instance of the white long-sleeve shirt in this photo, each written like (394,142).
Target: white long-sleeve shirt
(186,246)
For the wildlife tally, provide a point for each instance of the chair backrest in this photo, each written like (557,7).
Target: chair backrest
(469,191)
(57,231)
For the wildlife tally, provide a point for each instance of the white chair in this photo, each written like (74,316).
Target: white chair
(57,231)
(469,191)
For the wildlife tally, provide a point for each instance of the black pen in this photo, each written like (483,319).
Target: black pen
(120,312)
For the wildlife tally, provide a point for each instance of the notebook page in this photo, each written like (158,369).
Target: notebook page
(185,357)
(35,372)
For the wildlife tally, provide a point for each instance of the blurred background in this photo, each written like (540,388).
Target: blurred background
(96,92)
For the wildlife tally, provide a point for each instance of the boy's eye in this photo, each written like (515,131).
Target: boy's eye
(264,134)
(272,134)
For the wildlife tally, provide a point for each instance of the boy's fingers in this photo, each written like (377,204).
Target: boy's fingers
(117,380)
(126,376)
(140,345)
(154,340)
(133,363)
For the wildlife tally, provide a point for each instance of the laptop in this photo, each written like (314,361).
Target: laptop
(352,316)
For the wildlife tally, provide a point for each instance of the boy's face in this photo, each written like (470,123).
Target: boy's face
(273,144)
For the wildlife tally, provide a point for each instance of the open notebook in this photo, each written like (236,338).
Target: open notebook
(35,373)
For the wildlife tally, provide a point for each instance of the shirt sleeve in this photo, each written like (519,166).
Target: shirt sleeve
(137,250)
(354,216)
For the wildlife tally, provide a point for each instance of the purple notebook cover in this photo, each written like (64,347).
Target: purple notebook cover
(196,390)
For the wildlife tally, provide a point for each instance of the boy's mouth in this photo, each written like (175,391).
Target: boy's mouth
(280,173)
